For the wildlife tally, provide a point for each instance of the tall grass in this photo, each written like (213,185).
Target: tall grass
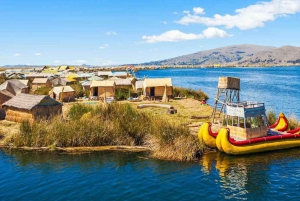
(189,93)
(271,117)
(113,124)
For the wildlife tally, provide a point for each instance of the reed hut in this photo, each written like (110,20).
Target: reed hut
(31,107)
(32,76)
(63,93)
(4,96)
(104,74)
(14,87)
(155,88)
(103,89)
(123,84)
(40,82)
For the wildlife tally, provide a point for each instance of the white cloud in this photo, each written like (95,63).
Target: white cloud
(111,33)
(164,22)
(175,13)
(57,61)
(37,54)
(175,35)
(16,55)
(212,32)
(247,18)
(198,11)
(103,46)
(80,61)
(186,11)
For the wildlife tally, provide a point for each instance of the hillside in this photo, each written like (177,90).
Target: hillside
(245,54)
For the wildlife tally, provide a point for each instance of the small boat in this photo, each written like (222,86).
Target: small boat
(247,131)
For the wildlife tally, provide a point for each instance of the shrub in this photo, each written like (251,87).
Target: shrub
(271,117)
(79,90)
(42,91)
(122,94)
(189,93)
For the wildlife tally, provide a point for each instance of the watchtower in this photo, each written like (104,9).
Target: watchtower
(228,92)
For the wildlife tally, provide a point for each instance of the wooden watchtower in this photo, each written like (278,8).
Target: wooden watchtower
(228,92)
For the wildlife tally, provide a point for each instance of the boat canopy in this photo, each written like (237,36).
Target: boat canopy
(245,109)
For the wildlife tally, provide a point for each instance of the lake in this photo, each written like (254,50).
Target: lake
(31,175)
(277,87)
(37,175)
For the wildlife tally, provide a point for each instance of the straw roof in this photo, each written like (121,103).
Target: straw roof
(59,81)
(94,77)
(123,82)
(60,89)
(28,101)
(104,73)
(13,86)
(62,68)
(105,83)
(157,82)
(26,82)
(40,81)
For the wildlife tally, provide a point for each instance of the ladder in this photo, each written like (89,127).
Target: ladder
(224,96)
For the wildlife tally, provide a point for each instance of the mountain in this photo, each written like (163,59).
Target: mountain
(246,55)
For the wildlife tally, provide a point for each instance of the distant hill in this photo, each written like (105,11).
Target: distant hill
(245,55)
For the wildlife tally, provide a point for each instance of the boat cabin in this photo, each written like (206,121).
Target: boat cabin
(246,120)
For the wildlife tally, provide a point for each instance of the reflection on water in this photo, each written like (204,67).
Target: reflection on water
(260,174)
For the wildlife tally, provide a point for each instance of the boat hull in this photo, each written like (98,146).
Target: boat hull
(285,141)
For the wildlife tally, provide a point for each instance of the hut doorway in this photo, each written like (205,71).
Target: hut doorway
(152,91)
(95,91)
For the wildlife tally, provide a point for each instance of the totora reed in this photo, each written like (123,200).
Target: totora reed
(110,125)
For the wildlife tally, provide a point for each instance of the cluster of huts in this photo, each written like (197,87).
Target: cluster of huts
(18,102)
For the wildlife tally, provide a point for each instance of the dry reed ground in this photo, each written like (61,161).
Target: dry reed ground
(185,109)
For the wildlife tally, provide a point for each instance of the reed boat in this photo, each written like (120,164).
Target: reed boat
(247,131)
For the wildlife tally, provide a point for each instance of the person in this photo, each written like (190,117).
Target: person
(203,102)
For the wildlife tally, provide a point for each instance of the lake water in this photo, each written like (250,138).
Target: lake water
(35,175)
(277,87)
(31,175)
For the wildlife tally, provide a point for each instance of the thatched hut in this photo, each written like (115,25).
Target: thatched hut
(157,87)
(63,93)
(14,87)
(40,82)
(31,107)
(104,74)
(103,88)
(123,84)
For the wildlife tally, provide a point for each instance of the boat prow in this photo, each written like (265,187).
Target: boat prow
(206,135)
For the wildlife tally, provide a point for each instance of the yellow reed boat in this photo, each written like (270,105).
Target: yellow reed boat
(247,131)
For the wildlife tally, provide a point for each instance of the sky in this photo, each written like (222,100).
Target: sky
(116,32)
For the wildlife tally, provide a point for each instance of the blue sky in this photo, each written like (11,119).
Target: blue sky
(114,32)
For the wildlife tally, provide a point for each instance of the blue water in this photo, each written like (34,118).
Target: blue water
(277,87)
(30,175)
(34,175)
